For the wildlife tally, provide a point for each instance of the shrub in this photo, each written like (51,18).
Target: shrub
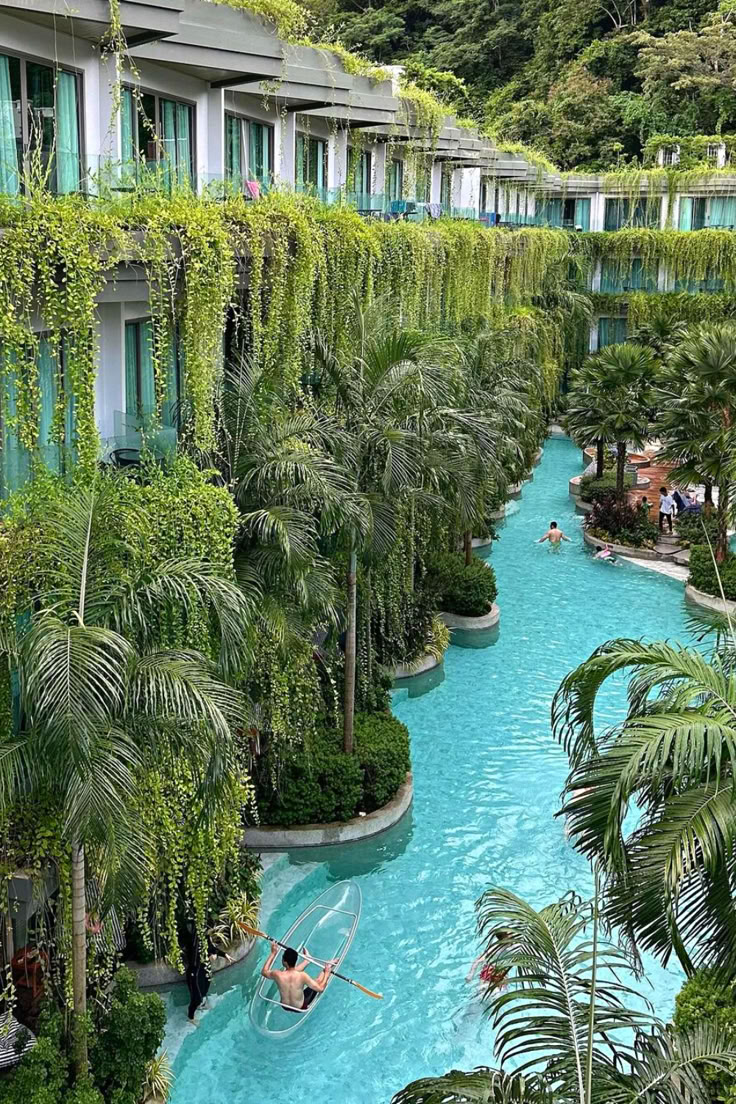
(323,784)
(592,489)
(43,1075)
(468,591)
(704,999)
(126,1039)
(622,523)
(703,573)
(689,528)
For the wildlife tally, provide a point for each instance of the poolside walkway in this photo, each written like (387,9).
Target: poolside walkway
(658,475)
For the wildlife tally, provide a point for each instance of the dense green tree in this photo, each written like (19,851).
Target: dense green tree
(696,423)
(98,698)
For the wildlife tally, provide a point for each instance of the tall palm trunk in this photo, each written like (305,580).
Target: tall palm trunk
(468,546)
(79,960)
(350,651)
(620,468)
(599,458)
(724,493)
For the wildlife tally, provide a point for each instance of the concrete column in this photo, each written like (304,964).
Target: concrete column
(663,203)
(469,188)
(215,134)
(593,340)
(596,281)
(337,159)
(436,191)
(110,391)
(285,140)
(378,168)
(597,211)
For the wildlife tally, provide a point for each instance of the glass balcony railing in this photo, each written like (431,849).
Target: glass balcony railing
(136,433)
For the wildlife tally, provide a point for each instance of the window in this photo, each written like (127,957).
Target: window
(248,151)
(39,117)
(710,282)
(140,383)
(576,214)
(156,131)
(611,331)
(485,195)
(692,213)
(722,212)
(311,163)
(621,212)
(550,213)
(631,278)
(713,152)
(56,420)
(395,180)
(361,170)
(670,155)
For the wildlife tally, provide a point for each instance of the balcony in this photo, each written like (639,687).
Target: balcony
(135,434)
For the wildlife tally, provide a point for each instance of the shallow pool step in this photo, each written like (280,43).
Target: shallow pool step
(683,558)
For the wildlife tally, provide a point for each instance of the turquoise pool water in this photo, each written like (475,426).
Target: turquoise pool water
(487,778)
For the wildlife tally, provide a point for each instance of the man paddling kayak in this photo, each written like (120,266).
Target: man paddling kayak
(296,987)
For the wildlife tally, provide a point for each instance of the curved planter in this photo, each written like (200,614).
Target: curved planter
(472,624)
(623,549)
(633,459)
(710,601)
(407,671)
(515,491)
(497,515)
(263,838)
(537,456)
(583,506)
(555,430)
(482,542)
(642,484)
(149,974)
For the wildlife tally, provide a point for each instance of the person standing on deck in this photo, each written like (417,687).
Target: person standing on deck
(666,508)
(296,988)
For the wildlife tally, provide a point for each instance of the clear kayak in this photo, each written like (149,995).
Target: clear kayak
(326,928)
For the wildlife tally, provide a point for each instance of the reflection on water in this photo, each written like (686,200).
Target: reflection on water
(366,857)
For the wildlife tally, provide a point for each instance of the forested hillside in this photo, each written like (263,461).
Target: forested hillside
(585,81)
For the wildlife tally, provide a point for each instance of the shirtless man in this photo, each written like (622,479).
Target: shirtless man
(296,988)
(553,535)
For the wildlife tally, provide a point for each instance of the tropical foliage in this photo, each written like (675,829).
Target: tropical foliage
(569,1021)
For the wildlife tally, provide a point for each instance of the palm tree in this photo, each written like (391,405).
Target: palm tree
(662,334)
(617,383)
(381,400)
(563,1018)
(697,421)
(99,698)
(669,880)
(586,420)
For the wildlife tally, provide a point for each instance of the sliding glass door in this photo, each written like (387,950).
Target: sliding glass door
(39,125)
(159,133)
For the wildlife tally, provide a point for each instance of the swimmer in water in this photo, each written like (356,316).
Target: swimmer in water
(554,535)
(605,554)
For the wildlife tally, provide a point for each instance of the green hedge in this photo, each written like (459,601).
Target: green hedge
(324,784)
(592,489)
(468,591)
(704,999)
(703,573)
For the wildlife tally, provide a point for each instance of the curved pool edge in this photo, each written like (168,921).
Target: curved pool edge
(404,672)
(268,838)
(709,601)
(472,624)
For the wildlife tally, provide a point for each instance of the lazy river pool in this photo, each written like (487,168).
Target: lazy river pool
(487,778)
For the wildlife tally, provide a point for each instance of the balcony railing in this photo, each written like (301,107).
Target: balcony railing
(136,433)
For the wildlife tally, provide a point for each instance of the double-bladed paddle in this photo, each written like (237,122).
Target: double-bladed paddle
(333,973)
